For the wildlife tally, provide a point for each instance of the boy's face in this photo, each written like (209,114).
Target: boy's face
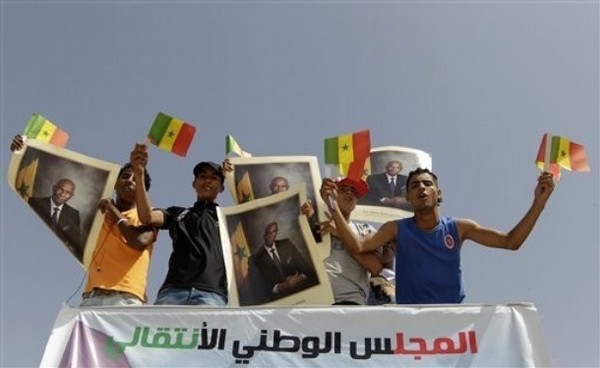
(207,184)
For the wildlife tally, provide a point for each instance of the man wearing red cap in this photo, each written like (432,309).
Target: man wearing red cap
(349,274)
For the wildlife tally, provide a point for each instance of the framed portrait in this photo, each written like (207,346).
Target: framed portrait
(259,177)
(270,254)
(386,173)
(63,188)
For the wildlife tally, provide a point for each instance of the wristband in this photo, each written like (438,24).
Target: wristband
(122,220)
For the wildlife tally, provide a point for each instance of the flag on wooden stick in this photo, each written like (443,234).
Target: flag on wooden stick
(44,130)
(171,134)
(348,153)
(556,152)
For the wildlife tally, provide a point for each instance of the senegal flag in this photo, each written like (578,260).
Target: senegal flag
(562,153)
(241,253)
(44,130)
(349,152)
(171,134)
(244,190)
(26,174)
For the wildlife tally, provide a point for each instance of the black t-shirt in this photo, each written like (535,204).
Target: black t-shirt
(197,257)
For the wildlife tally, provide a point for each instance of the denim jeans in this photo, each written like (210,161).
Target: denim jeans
(115,298)
(189,296)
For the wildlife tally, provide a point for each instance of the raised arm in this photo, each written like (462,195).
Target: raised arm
(138,237)
(469,229)
(354,243)
(139,160)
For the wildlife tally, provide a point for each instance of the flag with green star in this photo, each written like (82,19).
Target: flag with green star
(241,253)
(44,130)
(26,174)
(244,190)
(562,153)
(348,153)
(171,134)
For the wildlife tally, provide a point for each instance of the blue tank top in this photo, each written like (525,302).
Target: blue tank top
(428,263)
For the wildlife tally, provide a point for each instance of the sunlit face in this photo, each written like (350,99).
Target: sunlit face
(62,191)
(347,198)
(207,184)
(422,191)
(393,168)
(270,234)
(279,185)
(125,185)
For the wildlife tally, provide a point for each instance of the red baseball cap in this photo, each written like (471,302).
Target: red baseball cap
(360,186)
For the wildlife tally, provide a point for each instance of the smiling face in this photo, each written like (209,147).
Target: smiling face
(279,184)
(346,199)
(62,191)
(422,191)
(207,184)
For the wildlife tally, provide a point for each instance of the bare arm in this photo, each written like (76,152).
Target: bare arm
(139,160)
(469,229)
(354,243)
(369,261)
(137,237)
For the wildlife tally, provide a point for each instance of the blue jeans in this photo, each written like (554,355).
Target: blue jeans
(106,297)
(189,296)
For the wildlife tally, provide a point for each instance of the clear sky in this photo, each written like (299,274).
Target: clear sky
(476,84)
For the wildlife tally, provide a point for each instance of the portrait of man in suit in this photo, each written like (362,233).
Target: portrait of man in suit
(63,219)
(278,269)
(387,188)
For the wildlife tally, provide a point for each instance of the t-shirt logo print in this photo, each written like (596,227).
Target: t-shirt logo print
(449,241)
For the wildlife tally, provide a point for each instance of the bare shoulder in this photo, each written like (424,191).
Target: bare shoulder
(390,229)
(466,227)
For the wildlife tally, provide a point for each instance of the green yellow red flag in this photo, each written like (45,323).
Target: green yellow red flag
(349,153)
(561,152)
(171,134)
(44,130)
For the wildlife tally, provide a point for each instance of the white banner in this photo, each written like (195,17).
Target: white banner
(380,336)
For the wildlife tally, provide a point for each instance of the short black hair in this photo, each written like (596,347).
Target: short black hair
(147,178)
(419,171)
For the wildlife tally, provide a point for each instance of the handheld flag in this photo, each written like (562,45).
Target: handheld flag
(561,152)
(171,134)
(44,130)
(349,153)
(232,146)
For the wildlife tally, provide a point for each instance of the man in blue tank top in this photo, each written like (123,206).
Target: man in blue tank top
(428,245)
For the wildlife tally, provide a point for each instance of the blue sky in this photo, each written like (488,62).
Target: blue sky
(476,84)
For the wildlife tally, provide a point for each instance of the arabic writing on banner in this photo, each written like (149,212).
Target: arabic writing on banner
(309,347)
(434,336)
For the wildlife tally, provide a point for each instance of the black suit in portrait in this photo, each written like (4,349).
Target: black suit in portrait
(68,228)
(379,187)
(264,274)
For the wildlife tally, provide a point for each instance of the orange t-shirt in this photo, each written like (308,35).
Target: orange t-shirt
(117,266)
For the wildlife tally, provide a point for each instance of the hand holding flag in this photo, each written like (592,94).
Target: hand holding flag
(44,130)
(556,152)
(171,134)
